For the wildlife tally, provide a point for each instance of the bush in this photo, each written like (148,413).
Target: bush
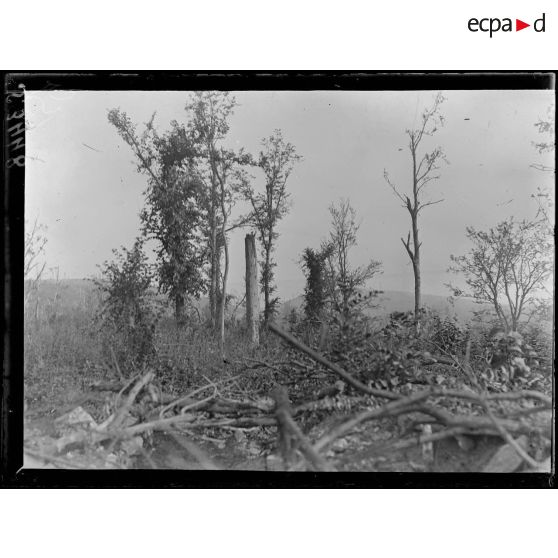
(444,334)
(392,354)
(130,310)
(505,361)
(383,356)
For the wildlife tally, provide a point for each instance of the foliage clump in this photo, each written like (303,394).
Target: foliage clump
(129,313)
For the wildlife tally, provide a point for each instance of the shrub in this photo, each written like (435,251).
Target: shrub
(130,310)
(444,334)
(385,356)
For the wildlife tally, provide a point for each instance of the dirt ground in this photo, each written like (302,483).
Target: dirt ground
(364,449)
(369,447)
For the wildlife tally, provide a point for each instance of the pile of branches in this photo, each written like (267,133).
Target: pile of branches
(140,409)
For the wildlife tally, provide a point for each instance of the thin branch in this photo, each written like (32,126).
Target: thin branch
(407,245)
(392,185)
(423,205)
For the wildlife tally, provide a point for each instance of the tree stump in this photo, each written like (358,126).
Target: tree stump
(252,291)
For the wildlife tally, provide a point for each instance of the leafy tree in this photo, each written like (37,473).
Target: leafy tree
(344,281)
(507,267)
(424,171)
(276,161)
(174,215)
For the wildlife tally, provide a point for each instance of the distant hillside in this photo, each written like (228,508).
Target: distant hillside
(400,301)
(74,293)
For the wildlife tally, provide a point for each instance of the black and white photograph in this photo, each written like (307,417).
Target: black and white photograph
(291,280)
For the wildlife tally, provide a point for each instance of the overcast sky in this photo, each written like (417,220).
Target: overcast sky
(89,199)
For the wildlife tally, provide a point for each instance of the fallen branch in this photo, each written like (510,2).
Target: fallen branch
(51,458)
(332,366)
(188,397)
(390,409)
(121,413)
(451,432)
(415,403)
(129,383)
(198,404)
(264,405)
(289,429)
(505,434)
(106,386)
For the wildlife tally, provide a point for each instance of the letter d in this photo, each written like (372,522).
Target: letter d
(537,21)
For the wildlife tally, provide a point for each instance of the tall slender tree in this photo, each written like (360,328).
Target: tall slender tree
(424,169)
(222,170)
(209,113)
(276,160)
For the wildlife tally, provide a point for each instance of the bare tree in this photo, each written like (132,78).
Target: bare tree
(33,260)
(507,267)
(425,169)
(546,126)
(344,279)
(544,195)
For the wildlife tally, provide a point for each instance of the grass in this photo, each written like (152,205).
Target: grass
(66,348)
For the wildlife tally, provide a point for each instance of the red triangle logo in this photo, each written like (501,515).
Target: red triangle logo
(519,25)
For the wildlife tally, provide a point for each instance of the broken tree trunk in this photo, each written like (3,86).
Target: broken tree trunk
(252,295)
